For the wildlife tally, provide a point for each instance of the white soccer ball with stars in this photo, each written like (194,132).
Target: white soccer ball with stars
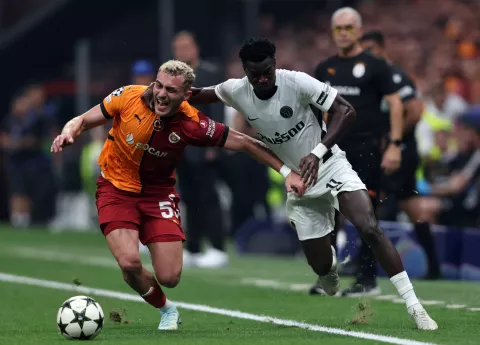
(80,317)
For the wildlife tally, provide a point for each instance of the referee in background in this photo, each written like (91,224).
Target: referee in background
(402,183)
(364,81)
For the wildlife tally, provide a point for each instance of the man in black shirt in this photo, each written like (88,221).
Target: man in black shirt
(402,183)
(364,81)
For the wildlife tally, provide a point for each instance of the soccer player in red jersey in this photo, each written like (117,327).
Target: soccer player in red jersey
(136,197)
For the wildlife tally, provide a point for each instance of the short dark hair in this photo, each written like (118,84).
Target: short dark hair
(257,50)
(375,35)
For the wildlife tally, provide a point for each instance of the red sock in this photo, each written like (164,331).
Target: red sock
(155,296)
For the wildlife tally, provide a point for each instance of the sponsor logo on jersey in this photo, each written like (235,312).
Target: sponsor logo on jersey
(173,138)
(153,151)
(284,137)
(286,112)
(348,90)
(158,125)
(129,139)
(211,128)
(118,91)
(138,118)
(359,70)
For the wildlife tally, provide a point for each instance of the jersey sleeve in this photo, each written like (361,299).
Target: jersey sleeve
(314,92)
(224,91)
(406,88)
(113,104)
(384,78)
(206,132)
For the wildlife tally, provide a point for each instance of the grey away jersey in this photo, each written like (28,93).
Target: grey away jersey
(287,122)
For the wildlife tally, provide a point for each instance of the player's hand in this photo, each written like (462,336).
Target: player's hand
(60,142)
(309,169)
(294,183)
(391,159)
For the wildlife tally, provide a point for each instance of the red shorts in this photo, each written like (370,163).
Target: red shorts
(155,215)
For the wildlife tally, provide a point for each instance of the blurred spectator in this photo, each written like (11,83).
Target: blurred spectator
(440,106)
(457,197)
(143,72)
(197,175)
(23,135)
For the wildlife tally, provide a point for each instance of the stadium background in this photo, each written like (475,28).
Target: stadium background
(60,57)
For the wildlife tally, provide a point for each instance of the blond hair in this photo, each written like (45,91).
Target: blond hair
(179,68)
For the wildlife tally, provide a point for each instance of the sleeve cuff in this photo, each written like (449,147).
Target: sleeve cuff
(105,112)
(223,140)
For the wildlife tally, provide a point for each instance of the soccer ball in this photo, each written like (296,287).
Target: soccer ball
(80,317)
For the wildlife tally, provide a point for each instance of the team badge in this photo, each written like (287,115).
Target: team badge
(397,78)
(129,139)
(286,112)
(203,124)
(118,91)
(173,138)
(359,70)
(158,125)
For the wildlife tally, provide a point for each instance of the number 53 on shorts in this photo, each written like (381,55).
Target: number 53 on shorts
(169,209)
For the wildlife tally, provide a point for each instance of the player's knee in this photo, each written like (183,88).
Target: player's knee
(369,229)
(170,279)
(130,264)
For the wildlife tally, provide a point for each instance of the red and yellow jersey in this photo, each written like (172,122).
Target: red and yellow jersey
(142,150)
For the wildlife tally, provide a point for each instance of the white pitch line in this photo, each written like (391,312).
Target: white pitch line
(101,261)
(5,277)
(455,306)
(386,297)
(428,302)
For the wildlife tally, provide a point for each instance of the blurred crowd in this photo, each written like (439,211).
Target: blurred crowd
(437,42)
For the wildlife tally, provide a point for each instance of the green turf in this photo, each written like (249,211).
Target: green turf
(28,313)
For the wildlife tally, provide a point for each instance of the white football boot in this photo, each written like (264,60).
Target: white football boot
(169,318)
(331,281)
(421,318)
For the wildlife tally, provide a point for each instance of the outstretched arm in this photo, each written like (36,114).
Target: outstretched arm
(76,126)
(203,95)
(240,142)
